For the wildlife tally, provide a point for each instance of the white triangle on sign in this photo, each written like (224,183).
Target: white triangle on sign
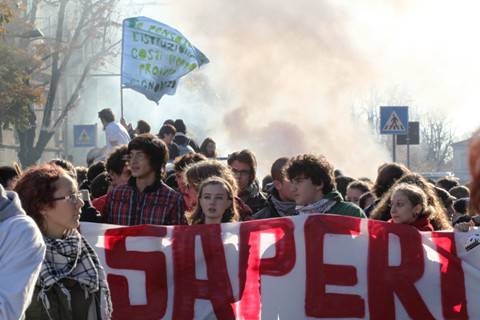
(84,138)
(394,123)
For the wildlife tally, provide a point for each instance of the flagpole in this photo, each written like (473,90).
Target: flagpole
(121,70)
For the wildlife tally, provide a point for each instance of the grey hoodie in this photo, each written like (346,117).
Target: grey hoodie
(9,204)
(22,250)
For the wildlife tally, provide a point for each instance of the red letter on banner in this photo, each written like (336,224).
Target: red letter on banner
(319,303)
(216,288)
(384,281)
(454,301)
(152,263)
(251,266)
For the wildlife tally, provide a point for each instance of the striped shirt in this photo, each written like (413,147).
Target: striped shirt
(157,204)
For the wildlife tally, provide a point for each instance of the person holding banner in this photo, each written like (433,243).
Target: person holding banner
(215,199)
(72,283)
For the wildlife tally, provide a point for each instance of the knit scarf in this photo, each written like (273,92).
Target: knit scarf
(321,206)
(283,208)
(73,258)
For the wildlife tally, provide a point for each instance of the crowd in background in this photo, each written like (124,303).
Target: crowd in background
(168,179)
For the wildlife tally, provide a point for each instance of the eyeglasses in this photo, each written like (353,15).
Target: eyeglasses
(73,198)
(241,172)
(140,156)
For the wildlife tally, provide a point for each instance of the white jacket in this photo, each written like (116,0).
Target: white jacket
(22,250)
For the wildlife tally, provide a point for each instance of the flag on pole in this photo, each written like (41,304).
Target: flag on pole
(155,56)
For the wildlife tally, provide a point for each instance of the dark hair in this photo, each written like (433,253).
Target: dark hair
(360,185)
(99,185)
(81,174)
(277,170)
(444,196)
(154,148)
(316,168)
(95,169)
(166,129)
(6,174)
(189,158)
(245,156)
(143,127)
(203,148)
(342,183)
(66,165)
(180,126)
(36,188)
(362,201)
(230,215)
(117,159)
(447,183)
(461,205)
(169,121)
(460,192)
(388,173)
(106,115)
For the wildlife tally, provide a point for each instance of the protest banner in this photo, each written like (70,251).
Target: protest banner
(155,56)
(316,266)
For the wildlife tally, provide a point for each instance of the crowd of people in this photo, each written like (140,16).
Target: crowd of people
(167,179)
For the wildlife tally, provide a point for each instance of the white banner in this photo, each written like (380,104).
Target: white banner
(155,56)
(315,266)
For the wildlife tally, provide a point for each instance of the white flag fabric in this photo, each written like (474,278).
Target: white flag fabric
(155,56)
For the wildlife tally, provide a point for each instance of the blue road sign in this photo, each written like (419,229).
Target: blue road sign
(85,135)
(393,120)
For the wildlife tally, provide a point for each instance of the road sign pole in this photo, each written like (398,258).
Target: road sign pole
(408,152)
(394,145)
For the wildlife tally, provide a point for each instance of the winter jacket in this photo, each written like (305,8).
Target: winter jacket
(254,198)
(422,224)
(182,140)
(22,250)
(344,208)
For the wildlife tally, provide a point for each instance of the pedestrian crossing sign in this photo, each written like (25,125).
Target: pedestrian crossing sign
(85,135)
(393,120)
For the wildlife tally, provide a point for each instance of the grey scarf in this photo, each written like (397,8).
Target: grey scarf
(321,206)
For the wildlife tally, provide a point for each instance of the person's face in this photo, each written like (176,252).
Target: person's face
(210,148)
(242,172)
(167,138)
(305,192)
(120,179)
(402,210)
(214,202)
(353,195)
(11,183)
(65,213)
(139,164)
(285,189)
(190,197)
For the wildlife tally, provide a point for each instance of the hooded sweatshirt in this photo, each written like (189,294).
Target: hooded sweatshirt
(22,250)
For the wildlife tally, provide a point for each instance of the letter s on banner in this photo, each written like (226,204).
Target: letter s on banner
(152,263)
(251,266)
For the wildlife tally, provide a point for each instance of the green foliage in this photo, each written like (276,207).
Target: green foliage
(16,92)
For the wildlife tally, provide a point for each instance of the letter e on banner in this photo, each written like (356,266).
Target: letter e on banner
(319,303)
(152,263)
(251,266)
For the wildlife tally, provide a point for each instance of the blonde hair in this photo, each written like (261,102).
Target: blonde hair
(230,215)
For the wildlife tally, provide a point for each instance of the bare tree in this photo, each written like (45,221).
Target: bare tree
(83,38)
(437,140)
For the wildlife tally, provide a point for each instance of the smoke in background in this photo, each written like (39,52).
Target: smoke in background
(284,75)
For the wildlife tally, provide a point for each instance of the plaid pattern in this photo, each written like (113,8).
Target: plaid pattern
(73,258)
(157,204)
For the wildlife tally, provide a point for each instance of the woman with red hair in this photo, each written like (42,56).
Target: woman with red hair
(72,283)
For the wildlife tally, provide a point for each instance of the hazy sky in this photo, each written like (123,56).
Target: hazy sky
(284,76)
